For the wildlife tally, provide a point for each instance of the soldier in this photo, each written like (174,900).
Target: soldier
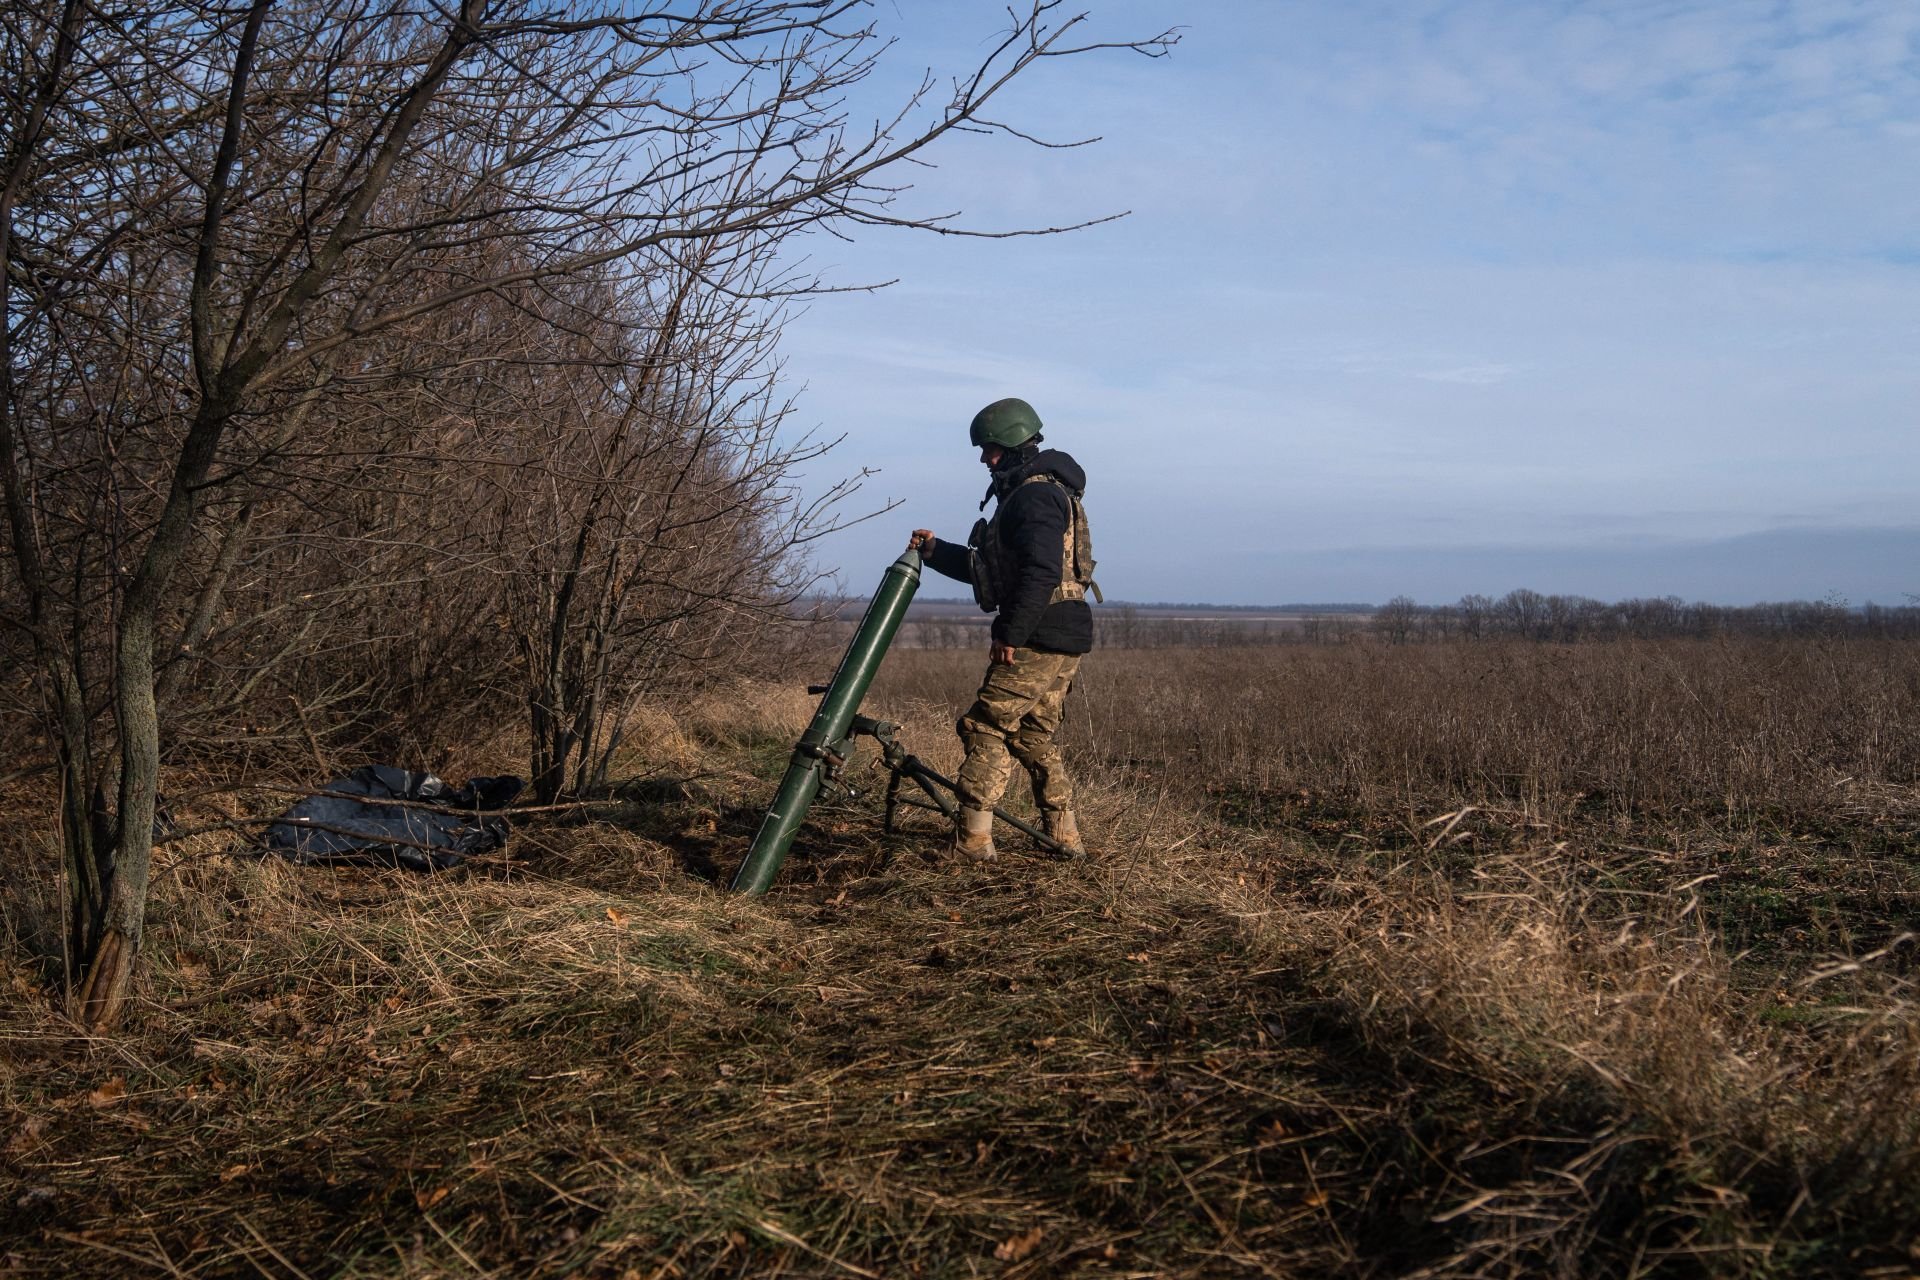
(1031,565)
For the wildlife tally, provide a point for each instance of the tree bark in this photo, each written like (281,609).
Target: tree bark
(233,541)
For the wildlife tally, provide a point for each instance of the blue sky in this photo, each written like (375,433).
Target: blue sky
(1423,298)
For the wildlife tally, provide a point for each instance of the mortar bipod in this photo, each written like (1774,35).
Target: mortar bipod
(940,789)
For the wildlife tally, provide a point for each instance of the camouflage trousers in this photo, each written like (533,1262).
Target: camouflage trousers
(1018,711)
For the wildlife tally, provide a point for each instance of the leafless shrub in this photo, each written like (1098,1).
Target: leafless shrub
(256,251)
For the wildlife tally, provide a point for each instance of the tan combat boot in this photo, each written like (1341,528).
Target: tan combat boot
(973,835)
(1063,830)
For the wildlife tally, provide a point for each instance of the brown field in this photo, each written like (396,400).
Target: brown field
(1443,960)
(1740,729)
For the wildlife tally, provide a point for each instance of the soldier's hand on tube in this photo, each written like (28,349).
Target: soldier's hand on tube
(921,541)
(1001,655)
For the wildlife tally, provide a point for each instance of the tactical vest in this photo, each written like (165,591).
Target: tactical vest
(986,557)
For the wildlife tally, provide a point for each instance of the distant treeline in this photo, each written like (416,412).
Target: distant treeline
(1521,614)
(1529,615)
(1177,606)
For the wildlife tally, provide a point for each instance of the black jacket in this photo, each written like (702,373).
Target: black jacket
(1031,528)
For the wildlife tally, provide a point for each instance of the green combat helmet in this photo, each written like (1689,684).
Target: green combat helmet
(1008,423)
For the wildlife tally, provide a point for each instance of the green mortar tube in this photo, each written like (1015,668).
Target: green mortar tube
(827,736)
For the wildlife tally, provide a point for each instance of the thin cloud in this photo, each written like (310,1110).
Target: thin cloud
(1471,375)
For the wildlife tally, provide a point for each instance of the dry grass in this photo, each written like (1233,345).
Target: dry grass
(1368,1031)
(1705,727)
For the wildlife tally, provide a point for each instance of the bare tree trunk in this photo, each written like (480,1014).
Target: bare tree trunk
(104,989)
(233,541)
(85,840)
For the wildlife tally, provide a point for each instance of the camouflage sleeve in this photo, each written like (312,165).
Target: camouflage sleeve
(1031,534)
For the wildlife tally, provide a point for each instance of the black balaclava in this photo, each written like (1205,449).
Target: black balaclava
(1008,473)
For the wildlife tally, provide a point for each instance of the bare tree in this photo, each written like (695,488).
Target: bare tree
(217,217)
(1396,619)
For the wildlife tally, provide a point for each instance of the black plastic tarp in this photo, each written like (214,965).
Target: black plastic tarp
(435,827)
